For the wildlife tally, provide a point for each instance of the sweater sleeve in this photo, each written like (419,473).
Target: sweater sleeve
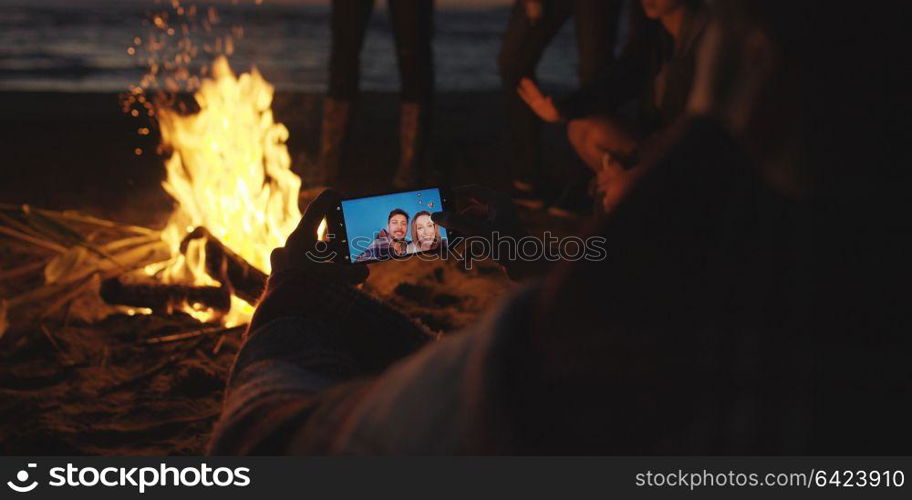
(299,384)
(310,341)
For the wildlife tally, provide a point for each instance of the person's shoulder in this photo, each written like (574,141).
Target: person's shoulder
(379,241)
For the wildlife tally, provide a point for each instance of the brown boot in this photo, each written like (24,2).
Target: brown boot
(413,121)
(333,141)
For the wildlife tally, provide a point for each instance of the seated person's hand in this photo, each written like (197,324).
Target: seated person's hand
(542,105)
(303,252)
(483,213)
(612,181)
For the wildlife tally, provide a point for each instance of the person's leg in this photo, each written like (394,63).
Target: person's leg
(596,34)
(349,22)
(594,136)
(520,52)
(413,26)
(596,23)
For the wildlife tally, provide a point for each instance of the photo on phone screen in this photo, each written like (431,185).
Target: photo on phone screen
(393,225)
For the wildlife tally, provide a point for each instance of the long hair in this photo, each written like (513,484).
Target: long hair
(415,229)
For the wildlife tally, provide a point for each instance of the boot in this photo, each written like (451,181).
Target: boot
(333,141)
(413,122)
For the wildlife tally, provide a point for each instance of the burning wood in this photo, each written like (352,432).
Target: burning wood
(237,199)
(166,298)
(246,281)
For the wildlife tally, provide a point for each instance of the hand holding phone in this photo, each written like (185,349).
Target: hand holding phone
(304,252)
(481,211)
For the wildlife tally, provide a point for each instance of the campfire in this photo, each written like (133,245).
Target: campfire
(229,173)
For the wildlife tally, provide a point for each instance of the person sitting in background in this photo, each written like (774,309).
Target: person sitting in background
(749,307)
(533,25)
(390,241)
(655,72)
(425,233)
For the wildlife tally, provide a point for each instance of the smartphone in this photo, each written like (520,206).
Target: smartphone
(389,226)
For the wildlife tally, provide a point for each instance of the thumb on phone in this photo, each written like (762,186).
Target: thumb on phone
(305,234)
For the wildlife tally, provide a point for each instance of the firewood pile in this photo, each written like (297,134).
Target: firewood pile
(63,264)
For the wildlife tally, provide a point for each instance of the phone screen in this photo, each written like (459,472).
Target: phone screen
(394,225)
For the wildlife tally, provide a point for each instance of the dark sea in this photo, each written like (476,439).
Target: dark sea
(82,46)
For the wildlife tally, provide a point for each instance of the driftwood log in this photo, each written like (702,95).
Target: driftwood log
(237,276)
(245,281)
(165,298)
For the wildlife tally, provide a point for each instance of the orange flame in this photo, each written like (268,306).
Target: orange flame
(229,172)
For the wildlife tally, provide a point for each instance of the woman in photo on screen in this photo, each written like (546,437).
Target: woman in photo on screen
(425,233)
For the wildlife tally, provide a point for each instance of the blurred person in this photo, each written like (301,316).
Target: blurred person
(746,308)
(412,23)
(532,26)
(654,74)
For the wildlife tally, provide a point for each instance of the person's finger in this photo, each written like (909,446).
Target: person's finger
(319,207)
(550,103)
(494,202)
(465,224)
(531,88)
(306,232)
(525,96)
(546,110)
(526,84)
(606,160)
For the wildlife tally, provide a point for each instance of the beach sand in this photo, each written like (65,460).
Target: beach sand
(68,387)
